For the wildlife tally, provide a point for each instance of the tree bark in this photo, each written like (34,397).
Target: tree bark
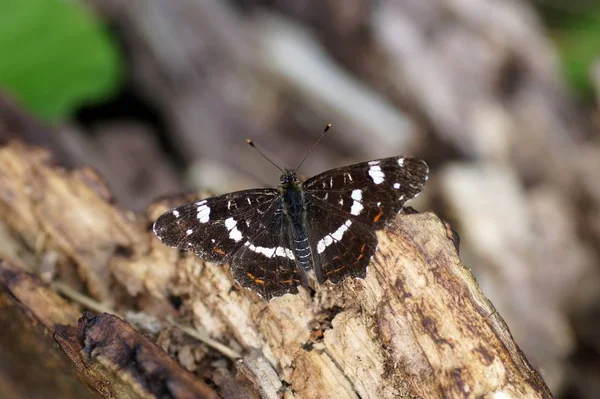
(417,326)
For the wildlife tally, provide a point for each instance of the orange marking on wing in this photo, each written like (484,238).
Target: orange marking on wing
(378,216)
(290,281)
(336,270)
(219,251)
(362,249)
(255,279)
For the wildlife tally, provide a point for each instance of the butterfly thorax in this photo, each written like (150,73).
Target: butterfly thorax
(294,207)
(290,188)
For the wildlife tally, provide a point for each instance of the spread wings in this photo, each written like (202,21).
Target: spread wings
(249,229)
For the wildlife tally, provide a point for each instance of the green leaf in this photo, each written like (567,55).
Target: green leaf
(55,56)
(576,33)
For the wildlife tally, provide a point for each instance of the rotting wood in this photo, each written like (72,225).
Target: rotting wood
(418,325)
(104,353)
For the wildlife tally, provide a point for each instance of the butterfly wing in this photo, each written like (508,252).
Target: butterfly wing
(341,246)
(373,192)
(266,264)
(346,205)
(215,228)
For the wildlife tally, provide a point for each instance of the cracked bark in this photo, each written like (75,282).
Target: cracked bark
(417,326)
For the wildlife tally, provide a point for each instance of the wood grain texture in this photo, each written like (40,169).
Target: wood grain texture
(417,326)
(103,357)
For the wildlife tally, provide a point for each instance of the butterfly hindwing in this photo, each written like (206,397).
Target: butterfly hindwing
(266,264)
(215,228)
(341,247)
(371,193)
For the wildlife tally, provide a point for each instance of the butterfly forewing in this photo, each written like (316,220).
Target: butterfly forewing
(369,192)
(215,228)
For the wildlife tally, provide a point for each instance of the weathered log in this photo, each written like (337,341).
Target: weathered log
(418,325)
(104,357)
(514,158)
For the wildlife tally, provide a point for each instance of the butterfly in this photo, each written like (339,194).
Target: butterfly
(276,239)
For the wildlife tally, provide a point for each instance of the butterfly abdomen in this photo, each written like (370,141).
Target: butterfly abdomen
(302,251)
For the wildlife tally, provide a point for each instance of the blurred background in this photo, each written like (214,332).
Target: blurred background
(500,98)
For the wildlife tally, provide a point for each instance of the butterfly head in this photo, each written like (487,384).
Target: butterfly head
(289,179)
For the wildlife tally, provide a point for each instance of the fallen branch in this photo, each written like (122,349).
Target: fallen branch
(418,325)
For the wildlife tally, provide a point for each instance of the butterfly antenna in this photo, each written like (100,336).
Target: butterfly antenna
(251,144)
(314,145)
